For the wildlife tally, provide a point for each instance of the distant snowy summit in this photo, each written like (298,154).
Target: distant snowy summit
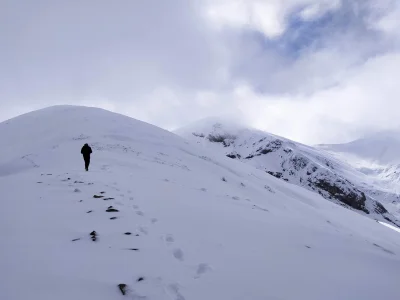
(312,168)
(380,148)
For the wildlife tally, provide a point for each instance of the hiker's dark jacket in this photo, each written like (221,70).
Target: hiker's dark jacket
(86,150)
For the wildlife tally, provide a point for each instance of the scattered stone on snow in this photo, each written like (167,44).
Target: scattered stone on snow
(122,287)
(93,235)
(112,209)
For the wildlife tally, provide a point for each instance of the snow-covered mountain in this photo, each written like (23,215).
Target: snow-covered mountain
(157,218)
(382,148)
(312,168)
(378,157)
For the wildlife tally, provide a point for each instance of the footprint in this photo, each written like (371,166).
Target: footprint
(129,192)
(174,288)
(260,208)
(169,239)
(131,198)
(135,206)
(140,213)
(154,220)
(201,269)
(143,230)
(178,254)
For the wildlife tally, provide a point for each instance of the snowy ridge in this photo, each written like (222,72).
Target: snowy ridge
(382,148)
(312,168)
(159,219)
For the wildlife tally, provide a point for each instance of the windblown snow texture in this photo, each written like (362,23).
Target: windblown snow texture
(157,218)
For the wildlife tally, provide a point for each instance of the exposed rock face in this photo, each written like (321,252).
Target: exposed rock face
(352,198)
(225,139)
(321,178)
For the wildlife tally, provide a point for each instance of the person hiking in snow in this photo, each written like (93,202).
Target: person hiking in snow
(86,151)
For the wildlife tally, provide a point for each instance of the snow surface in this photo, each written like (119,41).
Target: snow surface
(195,236)
(301,165)
(382,148)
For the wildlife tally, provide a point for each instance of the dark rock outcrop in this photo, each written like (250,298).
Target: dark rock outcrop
(355,199)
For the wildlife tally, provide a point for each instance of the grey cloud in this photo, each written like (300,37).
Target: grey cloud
(60,50)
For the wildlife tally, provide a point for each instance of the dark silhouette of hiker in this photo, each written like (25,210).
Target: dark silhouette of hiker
(86,151)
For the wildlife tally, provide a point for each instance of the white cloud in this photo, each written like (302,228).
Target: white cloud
(366,100)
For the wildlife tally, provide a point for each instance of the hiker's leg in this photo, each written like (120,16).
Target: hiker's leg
(86,163)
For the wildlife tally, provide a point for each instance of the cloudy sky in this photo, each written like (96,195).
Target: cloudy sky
(317,71)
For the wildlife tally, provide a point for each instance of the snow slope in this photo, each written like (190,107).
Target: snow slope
(381,148)
(309,167)
(189,223)
(377,156)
